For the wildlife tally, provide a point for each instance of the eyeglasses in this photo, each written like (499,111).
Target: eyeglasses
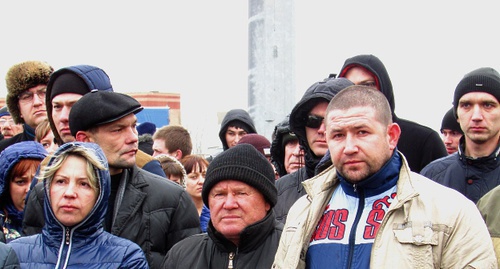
(314,121)
(9,121)
(27,96)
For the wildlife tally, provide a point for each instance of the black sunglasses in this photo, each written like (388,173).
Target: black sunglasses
(314,121)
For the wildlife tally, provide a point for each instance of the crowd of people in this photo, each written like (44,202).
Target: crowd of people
(343,182)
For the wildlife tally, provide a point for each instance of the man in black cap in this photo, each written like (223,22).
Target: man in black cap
(64,88)
(145,208)
(451,132)
(475,170)
(242,233)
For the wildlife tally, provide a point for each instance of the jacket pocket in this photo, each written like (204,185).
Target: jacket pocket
(417,233)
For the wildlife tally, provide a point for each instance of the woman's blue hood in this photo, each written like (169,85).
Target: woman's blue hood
(11,155)
(53,229)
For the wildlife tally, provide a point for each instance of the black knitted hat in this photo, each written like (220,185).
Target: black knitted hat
(100,107)
(67,82)
(243,163)
(450,122)
(484,79)
(20,78)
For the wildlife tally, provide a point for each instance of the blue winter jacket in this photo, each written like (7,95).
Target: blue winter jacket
(85,245)
(473,177)
(10,217)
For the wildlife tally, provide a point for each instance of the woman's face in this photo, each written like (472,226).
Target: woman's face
(195,179)
(71,195)
(19,187)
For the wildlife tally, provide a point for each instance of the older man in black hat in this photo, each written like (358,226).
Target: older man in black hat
(243,232)
(145,208)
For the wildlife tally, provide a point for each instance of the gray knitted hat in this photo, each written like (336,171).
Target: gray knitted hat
(243,163)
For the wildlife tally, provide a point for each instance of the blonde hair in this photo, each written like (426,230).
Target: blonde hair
(92,161)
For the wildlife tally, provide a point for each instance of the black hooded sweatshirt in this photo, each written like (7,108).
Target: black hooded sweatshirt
(419,144)
(289,186)
(242,117)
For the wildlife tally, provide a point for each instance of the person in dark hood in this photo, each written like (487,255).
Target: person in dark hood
(451,131)
(306,121)
(286,154)
(77,187)
(234,126)
(420,144)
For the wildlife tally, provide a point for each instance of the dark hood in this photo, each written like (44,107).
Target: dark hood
(375,66)
(53,230)
(93,76)
(320,91)
(232,115)
(277,149)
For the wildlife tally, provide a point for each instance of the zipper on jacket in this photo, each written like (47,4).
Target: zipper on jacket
(66,241)
(231,257)
(355,187)
(352,235)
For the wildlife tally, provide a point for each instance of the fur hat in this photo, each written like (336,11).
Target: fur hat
(243,163)
(22,77)
(100,107)
(484,79)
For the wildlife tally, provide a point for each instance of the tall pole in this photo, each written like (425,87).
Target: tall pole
(271,62)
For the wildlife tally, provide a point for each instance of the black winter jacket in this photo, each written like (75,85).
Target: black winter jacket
(419,144)
(471,177)
(153,212)
(259,243)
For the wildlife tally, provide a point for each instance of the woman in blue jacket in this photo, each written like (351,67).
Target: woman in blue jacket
(77,188)
(18,164)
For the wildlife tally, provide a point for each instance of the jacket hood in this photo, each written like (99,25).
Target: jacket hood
(53,230)
(11,155)
(320,91)
(232,115)
(277,149)
(94,77)
(375,66)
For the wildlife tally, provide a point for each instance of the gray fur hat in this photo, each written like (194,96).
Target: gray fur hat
(21,77)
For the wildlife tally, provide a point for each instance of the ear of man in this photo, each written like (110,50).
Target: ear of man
(83,136)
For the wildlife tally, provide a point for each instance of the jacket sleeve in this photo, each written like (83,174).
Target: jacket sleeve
(8,258)
(134,258)
(185,220)
(33,220)
(471,228)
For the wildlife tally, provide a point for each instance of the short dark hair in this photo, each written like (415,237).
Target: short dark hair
(359,95)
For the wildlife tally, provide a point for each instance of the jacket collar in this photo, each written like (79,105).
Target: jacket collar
(250,238)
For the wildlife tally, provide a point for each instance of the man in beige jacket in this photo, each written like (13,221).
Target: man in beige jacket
(369,210)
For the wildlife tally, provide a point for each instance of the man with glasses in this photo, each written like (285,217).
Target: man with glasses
(306,121)
(26,86)
(7,126)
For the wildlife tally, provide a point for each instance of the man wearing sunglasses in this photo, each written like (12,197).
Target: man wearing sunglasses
(26,86)
(306,121)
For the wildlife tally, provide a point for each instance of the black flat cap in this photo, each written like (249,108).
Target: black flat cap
(100,107)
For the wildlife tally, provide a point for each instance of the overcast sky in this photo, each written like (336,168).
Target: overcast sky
(199,48)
